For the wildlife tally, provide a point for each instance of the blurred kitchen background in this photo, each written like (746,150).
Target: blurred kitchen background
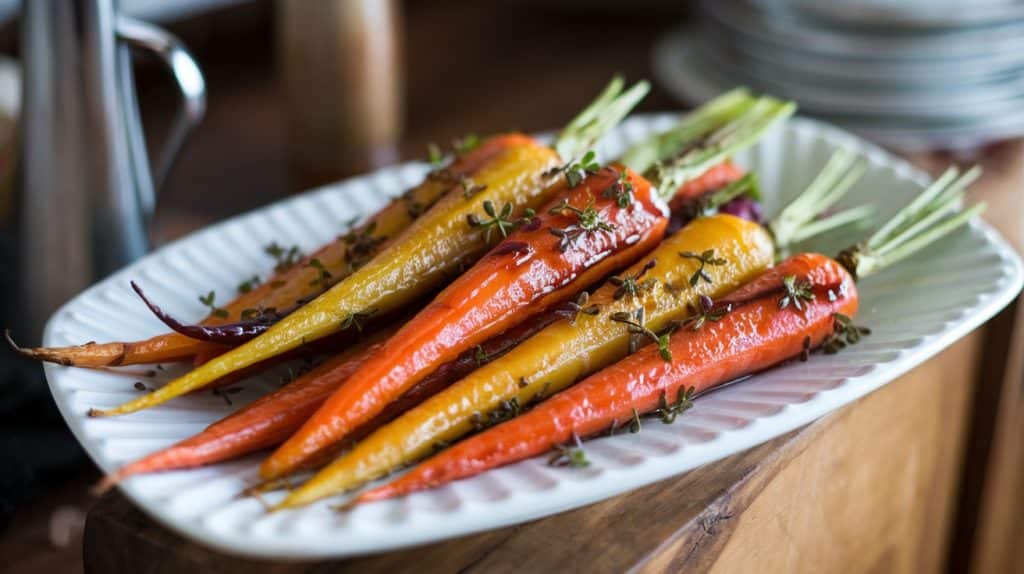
(300,93)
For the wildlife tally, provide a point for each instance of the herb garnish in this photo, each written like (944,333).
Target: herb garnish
(480,356)
(357,319)
(632,285)
(705,311)
(361,245)
(669,411)
(639,330)
(634,423)
(795,293)
(506,410)
(621,190)
(588,219)
(434,154)
(502,221)
(576,172)
(844,333)
(571,455)
(284,258)
(581,305)
(323,278)
(706,257)
(208,300)
(248,285)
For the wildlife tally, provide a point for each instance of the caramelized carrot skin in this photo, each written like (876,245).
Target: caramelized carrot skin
(520,277)
(271,419)
(754,336)
(287,286)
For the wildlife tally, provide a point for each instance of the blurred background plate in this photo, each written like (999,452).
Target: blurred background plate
(950,84)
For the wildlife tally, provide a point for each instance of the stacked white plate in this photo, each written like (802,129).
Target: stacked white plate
(910,74)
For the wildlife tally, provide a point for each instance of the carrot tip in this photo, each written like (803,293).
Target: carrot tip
(106,483)
(97,413)
(16,348)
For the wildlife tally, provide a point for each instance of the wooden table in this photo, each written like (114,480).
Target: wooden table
(876,486)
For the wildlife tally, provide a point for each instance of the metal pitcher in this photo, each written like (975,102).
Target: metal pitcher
(88,190)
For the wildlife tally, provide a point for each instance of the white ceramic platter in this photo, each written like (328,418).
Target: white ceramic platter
(915,310)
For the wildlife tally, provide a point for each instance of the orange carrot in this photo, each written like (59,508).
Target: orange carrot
(273,418)
(754,335)
(578,239)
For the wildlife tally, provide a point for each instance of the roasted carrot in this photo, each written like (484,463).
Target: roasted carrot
(523,275)
(709,257)
(805,302)
(751,337)
(605,219)
(295,279)
(421,257)
(272,418)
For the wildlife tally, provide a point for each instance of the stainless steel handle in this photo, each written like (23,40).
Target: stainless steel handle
(186,73)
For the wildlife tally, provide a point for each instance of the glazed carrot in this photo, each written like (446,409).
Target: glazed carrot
(709,257)
(606,219)
(796,306)
(438,243)
(272,418)
(295,279)
(523,275)
(754,336)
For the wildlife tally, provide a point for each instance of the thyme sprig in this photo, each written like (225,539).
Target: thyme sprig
(576,171)
(669,411)
(635,324)
(283,257)
(844,333)
(361,245)
(707,257)
(480,356)
(258,314)
(588,220)
(323,277)
(209,301)
(632,285)
(582,306)
(796,292)
(248,285)
(571,455)
(357,320)
(501,221)
(621,191)
(704,312)
(506,410)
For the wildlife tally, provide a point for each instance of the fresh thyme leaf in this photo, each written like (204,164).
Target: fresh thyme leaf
(796,293)
(357,320)
(209,301)
(323,279)
(705,258)
(634,423)
(635,325)
(225,393)
(248,285)
(581,306)
(705,311)
(499,220)
(621,191)
(361,245)
(480,356)
(669,411)
(576,172)
(844,333)
(632,285)
(506,410)
(283,257)
(588,220)
(571,455)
